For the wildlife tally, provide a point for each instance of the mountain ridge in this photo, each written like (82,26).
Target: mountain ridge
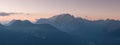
(63,29)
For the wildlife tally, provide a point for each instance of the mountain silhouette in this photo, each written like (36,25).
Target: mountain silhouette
(26,32)
(64,22)
(63,29)
(100,31)
(69,23)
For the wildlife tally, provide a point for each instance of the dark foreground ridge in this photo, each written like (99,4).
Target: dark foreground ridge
(63,29)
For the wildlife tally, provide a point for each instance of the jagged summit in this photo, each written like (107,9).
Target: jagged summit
(62,17)
(58,18)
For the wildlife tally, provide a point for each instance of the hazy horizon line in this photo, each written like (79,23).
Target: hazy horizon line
(6,22)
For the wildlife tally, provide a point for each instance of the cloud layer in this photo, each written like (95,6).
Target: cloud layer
(10,13)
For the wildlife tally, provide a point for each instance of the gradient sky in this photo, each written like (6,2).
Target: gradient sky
(90,9)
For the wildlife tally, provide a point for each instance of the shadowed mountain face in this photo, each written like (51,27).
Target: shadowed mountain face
(64,22)
(26,33)
(69,23)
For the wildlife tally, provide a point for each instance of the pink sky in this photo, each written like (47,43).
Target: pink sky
(90,9)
